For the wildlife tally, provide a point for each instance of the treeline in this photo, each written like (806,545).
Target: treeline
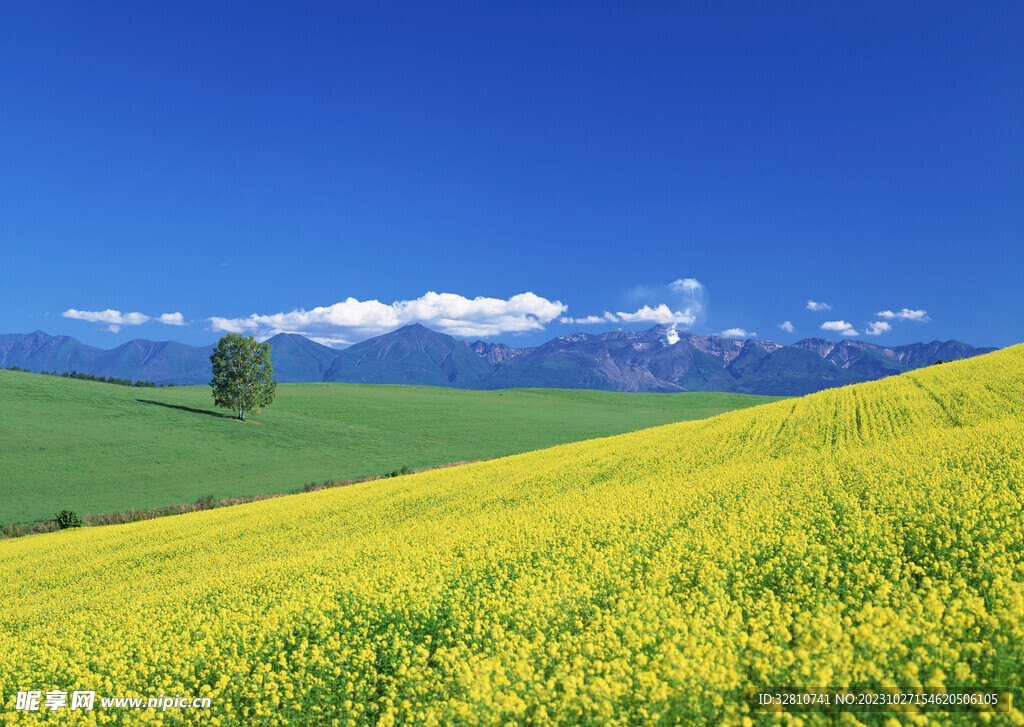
(91,377)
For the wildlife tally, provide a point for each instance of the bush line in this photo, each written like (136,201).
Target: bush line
(91,377)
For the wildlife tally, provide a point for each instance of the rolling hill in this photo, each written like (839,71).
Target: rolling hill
(95,448)
(866,537)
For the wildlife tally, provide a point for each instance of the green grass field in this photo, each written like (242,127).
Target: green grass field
(94,447)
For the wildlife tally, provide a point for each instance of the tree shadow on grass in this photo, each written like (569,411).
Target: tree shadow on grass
(187,408)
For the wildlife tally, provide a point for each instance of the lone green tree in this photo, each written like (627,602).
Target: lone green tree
(243,377)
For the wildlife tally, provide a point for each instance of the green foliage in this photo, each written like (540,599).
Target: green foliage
(243,377)
(68,519)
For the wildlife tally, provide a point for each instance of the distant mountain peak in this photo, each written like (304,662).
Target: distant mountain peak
(615,360)
(574,337)
(495,353)
(415,328)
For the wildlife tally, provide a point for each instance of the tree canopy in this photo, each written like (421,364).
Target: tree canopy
(243,377)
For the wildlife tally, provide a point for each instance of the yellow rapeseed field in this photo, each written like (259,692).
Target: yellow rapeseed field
(868,536)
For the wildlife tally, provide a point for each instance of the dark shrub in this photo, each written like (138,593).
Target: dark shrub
(68,519)
(207,502)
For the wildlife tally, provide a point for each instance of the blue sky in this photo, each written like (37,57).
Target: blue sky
(175,170)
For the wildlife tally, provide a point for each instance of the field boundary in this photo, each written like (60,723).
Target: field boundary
(51,525)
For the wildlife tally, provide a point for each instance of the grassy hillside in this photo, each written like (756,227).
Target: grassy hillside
(868,536)
(93,447)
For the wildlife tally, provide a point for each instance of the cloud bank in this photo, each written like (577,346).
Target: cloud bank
(114,319)
(172,319)
(659,314)
(680,303)
(813,305)
(877,328)
(737,333)
(905,314)
(841,327)
(450,313)
(591,320)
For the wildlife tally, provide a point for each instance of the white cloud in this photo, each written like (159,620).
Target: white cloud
(233,325)
(787,327)
(841,327)
(447,312)
(877,328)
(113,319)
(590,320)
(813,305)
(737,333)
(679,303)
(660,314)
(905,314)
(686,285)
(172,319)
(682,294)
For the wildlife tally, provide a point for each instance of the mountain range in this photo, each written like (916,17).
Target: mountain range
(658,359)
